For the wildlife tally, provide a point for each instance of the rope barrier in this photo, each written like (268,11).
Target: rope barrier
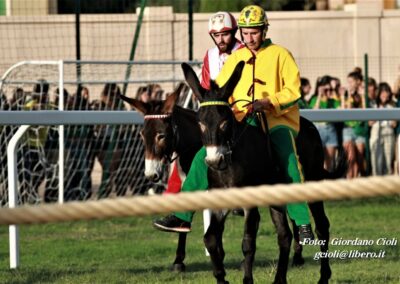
(215,199)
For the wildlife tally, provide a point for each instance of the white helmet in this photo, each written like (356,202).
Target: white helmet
(221,22)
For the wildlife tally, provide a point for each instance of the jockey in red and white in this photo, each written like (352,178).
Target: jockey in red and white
(222,28)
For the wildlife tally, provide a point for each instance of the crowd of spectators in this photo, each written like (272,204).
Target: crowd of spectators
(117,148)
(370,146)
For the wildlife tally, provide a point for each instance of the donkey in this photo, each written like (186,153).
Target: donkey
(169,132)
(240,155)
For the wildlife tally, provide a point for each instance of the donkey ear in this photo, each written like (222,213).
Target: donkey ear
(171,99)
(230,85)
(136,104)
(193,81)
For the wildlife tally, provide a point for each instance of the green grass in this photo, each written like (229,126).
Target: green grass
(129,250)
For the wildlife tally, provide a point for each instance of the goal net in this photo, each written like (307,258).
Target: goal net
(100,160)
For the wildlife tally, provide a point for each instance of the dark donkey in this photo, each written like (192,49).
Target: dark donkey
(169,132)
(169,128)
(240,155)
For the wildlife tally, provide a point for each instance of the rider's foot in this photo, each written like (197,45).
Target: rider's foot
(305,232)
(171,223)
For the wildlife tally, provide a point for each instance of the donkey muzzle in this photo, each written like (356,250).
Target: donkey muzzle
(215,158)
(153,170)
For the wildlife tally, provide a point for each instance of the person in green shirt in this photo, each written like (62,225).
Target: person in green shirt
(325,98)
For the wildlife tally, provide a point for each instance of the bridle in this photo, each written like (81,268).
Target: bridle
(175,134)
(233,141)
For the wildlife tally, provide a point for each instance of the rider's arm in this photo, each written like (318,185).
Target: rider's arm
(289,78)
(205,73)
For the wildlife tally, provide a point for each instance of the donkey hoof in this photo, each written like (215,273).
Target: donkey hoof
(178,267)
(323,281)
(298,260)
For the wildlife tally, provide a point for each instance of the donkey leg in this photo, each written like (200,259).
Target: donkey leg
(298,259)
(322,231)
(213,243)
(178,264)
(252,221)
(278,215)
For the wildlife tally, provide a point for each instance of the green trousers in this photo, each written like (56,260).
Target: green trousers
(283,143)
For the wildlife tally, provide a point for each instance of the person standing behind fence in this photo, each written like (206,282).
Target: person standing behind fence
(396,92)
(325,98)
(305,90)
(382,140)
(34,161)
(354,132)
(109,143)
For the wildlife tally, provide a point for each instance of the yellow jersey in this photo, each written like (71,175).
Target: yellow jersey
(272,73)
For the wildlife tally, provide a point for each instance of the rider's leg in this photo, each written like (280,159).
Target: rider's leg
(283,143)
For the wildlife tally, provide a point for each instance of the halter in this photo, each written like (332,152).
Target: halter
(231,143)
(156,116)
(214,103)
(170,157)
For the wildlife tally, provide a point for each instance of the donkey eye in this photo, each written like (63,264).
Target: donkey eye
(160,137)
(202,127)
(223,125)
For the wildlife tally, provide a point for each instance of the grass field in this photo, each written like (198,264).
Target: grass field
(129,250)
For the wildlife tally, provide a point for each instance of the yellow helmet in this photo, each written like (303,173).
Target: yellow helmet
(252,16)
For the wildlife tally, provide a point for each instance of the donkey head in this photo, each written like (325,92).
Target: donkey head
(157,132)
(215,116)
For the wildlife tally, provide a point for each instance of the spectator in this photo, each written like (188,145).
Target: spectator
(34,162)
(18,99)
(52,151)
(354,132)
(143,94)
(305,90)
(109,143)
(372,89)
(382,141)
(397,130)
(79,156)
(325,98)
(336,90)
(156,93)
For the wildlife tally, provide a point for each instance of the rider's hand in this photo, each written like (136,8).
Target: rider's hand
(262,105)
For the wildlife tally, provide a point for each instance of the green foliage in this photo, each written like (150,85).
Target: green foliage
(129,250)
(179,6)
(211,6)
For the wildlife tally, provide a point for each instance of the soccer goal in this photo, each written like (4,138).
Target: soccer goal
(98,161)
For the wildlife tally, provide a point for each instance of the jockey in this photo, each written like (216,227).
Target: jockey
(271,80)
(222,28)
